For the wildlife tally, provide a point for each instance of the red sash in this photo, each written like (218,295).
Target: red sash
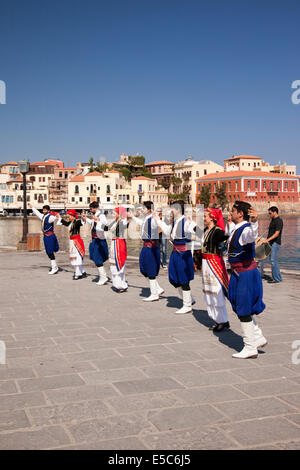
(120,252)
(217,265)
(47,234)
(246,265)
(151,244)
(78,242)
(180,248)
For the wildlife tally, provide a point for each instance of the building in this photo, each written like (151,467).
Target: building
(243,163)
(188,171)
(258,187)
(59,185)
(252,163)
(147,189)
(162,171)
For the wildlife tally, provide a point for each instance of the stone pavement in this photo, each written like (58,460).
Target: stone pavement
(88,368)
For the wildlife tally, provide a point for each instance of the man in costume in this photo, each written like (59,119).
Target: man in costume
(118,249)
(50,241)
(245,290)
(150,254)
(181,265)
(77,250)
(98,248)
(214,274)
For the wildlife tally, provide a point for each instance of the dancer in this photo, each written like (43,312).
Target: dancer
(214,274)
(50,241)
(245,290)
(181,265)
(118,249)
(98,248)
(77,250)
(150,255)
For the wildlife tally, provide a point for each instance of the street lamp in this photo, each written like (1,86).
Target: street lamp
(24,169)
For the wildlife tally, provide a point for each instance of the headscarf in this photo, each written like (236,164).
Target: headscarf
(73,213)
(217,216)
(121,211)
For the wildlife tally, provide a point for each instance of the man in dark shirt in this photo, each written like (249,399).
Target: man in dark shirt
(274,238)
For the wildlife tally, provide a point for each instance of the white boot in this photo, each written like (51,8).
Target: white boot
(179,289)
(260,340)
(187,303)
(160,290)
(249,350)
(54,267)
(153,292)
(102,276)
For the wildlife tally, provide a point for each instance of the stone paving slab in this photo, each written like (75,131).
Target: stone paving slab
(88,368)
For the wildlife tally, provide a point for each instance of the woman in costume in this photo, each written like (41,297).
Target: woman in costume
(214,274)
(118,249)
(77,250)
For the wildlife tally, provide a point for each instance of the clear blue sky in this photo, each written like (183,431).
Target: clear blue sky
(165,79)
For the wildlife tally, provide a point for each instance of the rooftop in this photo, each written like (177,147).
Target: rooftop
(236,174)
(240,157)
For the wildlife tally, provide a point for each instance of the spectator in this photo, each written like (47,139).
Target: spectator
(274,238)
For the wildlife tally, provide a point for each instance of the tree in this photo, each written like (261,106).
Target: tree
(204,196)
(137,160)
(221,195)
(181,196)
(91,164)
(102,167)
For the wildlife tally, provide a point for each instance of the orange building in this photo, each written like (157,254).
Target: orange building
(252,186)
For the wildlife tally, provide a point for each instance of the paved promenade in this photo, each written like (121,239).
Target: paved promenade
(88,368)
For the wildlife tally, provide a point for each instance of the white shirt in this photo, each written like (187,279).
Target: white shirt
(248,235)
(99,225)
(42,216)
(143,223)
(172,232)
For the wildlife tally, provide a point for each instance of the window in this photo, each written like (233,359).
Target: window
(197,174)
(60,174)
(205,172)
(76,189)
(256,185)
(265,185)
(229,186)
(236,185)
(108,189)
(249,185)
(108,199)
(73,199)
(80,199)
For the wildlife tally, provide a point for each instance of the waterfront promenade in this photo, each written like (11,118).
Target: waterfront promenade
(88,368)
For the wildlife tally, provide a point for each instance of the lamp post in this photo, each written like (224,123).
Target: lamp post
(24,169)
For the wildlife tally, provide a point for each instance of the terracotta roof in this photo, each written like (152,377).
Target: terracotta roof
(234,174)
(48,162)
(78,179)
(18,180)
(162,162)
(94,173)
(238,157)
(142,178)
(10,163)
(112,171)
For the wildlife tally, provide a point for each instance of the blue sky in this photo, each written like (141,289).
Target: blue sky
(165,79)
